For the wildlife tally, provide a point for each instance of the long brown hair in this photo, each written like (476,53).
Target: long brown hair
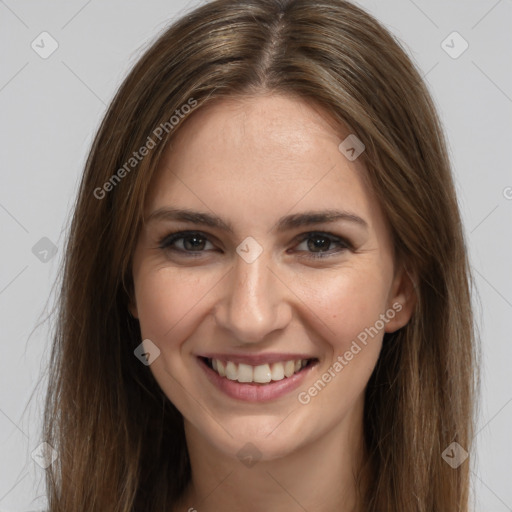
(120,441)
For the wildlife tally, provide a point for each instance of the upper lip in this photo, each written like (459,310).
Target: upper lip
(257,359)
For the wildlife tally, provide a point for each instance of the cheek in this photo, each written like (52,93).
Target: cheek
(348,302)
(166,298)
(168,304)
(350,308)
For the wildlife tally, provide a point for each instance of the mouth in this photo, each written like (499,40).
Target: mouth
(264,382)
(258,374)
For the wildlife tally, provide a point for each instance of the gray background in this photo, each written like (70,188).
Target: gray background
(52,107)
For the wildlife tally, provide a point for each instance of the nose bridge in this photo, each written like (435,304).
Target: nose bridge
(254,303)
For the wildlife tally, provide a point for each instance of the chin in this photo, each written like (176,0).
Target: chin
(263,436)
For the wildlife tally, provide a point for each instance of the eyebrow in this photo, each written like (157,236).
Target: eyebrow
(285,223)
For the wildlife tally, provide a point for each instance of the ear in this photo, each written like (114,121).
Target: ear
(402,298)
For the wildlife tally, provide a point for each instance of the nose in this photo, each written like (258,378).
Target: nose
(255,302)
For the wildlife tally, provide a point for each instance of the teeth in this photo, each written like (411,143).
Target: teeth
(221,369)
(244,373)
(277,371)
(231,371)
(261,374)
(289,368)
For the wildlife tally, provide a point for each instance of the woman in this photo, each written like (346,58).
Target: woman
(266,295)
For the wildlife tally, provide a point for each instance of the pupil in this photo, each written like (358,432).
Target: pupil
(319,243)
(195,244)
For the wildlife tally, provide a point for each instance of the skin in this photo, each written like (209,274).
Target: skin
(251,161)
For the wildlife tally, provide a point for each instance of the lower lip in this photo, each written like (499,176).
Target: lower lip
(252,392)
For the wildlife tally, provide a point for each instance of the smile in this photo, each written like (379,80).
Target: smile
(256,383)
(260,374)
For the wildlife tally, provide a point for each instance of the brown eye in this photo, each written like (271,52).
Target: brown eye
(185,242)
(318,244)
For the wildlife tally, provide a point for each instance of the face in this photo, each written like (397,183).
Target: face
(283,254)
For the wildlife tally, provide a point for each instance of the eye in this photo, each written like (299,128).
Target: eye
(317,244)
(190,242)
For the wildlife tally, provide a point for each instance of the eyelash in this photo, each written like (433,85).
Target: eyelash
(166,242)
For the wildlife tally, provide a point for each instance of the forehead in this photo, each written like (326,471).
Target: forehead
(258,127)
(266,152)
